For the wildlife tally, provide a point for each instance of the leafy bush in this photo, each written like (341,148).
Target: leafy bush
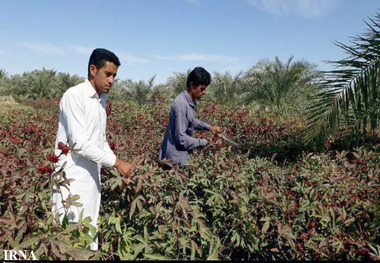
(225,204)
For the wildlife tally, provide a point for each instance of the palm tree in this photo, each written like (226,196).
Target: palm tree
(3,79)
(141,91)
(164,91)
(42,83)
(278,85)
(349,97)
(17,87)
(118,91)
(66,81)
(225,88)
(178,82)
(3,74)
(38,84)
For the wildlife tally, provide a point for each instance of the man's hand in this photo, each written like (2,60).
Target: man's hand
(124,168)
(216,129)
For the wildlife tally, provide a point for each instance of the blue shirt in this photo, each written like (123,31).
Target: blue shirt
(179,141)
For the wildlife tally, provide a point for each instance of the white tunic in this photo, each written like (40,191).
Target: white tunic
(82,120)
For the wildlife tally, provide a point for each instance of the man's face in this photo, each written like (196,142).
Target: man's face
(198,92)
(103,77)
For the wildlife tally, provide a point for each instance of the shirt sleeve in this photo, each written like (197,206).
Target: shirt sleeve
(200,125)
(73,112)
(107,149)
(185,141)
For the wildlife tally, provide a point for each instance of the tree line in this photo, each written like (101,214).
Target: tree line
(269,83)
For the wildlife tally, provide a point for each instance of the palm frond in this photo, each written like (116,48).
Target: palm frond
(349,94)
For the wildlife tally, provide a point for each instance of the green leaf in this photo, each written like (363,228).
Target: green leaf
(86,237)
(265,227)
(69,228)
(349,221)
(156,256)
(214,250)
(82,254)
(124,251)
(116,221)
(29,241)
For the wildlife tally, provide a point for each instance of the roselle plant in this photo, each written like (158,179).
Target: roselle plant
(273,199)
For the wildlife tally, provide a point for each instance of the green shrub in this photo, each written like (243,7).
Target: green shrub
(225,204)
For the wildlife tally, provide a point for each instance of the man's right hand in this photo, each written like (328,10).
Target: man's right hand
(216,129)
(124,168)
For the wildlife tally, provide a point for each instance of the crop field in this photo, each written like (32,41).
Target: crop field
(274,198)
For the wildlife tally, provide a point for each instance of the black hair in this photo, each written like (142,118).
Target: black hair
(100,56)
(199,76)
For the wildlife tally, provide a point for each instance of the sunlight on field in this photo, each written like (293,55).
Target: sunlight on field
(7,106)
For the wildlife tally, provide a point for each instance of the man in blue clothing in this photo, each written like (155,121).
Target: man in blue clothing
(179,141)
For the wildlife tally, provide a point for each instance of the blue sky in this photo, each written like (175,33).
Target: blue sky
(160,37)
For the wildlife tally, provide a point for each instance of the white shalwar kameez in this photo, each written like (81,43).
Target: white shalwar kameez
(82,120)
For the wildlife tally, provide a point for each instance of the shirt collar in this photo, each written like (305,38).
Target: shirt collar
(189,100)
(92,92)
(90,89)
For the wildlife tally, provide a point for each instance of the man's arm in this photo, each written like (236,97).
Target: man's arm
(200,125)
(187,142)
(72,111)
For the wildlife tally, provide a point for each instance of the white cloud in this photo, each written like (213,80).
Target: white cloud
(130,58)
(159,57)
(81,49)
(302,8)
(198,57)
(42,47)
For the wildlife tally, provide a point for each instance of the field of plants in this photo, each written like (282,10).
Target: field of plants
(303,185)
(275,198)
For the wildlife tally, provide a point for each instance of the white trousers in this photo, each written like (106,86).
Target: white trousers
(86,184)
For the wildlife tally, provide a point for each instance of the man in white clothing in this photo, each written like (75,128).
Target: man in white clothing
(82,124)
